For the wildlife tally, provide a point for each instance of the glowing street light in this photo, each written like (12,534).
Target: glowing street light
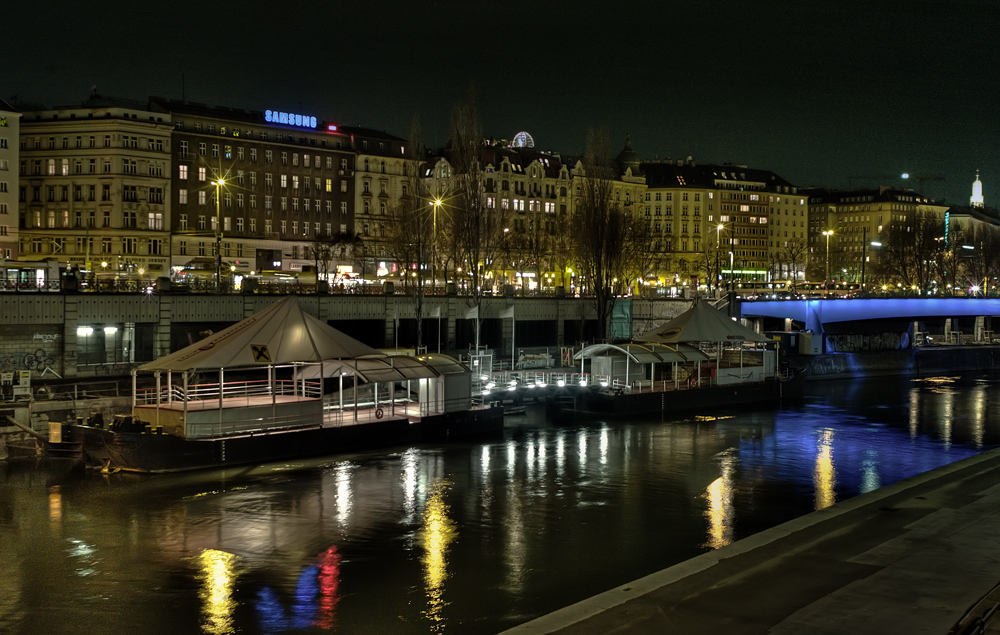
(436,203)
(218,232)
(827,233)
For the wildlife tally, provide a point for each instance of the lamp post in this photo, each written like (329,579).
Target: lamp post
(218,232)
(436,203)
(864,256)
(826,281)
(718,244)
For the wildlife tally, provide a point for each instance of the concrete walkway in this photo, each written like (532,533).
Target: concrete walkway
(919,556)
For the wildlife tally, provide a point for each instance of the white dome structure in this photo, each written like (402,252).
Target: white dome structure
(522,140)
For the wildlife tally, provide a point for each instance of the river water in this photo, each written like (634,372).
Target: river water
(456,539)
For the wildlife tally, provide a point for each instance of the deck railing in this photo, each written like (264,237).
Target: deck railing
(237,389)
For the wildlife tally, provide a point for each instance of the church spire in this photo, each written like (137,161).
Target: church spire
(977,192)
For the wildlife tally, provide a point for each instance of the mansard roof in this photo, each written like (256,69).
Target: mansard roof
(688,174)
(881,194)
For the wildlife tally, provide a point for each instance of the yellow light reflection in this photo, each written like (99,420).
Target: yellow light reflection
(825,474)
(435,536)
(721,513)
(914,411)
(55,505)
(946,418)
(218,578)
(979,416)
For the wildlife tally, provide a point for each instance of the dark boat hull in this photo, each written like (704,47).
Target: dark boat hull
(156,453)
(586,404)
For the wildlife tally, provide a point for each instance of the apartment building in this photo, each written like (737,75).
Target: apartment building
(10,121)
(94,187)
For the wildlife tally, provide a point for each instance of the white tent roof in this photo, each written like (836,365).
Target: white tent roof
(386,369)
(647,353)
(280,334)
(701,323)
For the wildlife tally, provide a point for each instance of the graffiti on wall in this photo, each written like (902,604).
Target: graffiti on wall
(853,343)
(40,361)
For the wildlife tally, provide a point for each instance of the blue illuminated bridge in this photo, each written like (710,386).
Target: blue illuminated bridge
(816,313)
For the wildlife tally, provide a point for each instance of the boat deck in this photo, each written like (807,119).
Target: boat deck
(333,414)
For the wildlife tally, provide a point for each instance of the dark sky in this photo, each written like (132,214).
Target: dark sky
(817,91)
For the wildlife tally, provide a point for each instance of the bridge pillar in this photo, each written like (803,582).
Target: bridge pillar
(814,316)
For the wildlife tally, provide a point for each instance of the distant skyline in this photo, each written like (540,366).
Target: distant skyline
(816,92)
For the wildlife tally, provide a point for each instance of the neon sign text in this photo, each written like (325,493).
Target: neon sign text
(290,119)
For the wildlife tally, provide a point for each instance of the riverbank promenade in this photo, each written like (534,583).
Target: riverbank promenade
(918,556)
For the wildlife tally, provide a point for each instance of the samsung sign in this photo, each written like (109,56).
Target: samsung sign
(290,119)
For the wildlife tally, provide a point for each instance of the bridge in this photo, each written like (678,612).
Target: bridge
(815,313)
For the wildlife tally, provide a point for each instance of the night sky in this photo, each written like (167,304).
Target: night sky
(817,91)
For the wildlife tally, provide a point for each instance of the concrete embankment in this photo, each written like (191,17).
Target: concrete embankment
(918,556)
(919,362)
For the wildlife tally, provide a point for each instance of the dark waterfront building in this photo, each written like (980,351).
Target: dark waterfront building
(287,183)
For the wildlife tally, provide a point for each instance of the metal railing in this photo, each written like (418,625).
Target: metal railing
(240,389)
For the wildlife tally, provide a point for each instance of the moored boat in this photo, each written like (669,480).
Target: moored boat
(282,384)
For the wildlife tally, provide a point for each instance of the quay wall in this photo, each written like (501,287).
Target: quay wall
(92,335)
(918,362)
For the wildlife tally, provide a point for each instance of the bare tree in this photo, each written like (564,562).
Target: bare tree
(478,227)
(911,249)
(979,266)
(612,246)
(409,238)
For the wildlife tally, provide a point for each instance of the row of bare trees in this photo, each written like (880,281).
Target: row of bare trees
(468,239)
(917,256)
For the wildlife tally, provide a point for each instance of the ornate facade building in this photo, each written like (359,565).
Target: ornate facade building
(94,187)
(10,121)
(536,192)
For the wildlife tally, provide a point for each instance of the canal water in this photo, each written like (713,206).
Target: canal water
(469,538)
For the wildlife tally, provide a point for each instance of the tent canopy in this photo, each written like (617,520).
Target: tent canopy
(384,369)
(280,334)
(647,353)
(701,323)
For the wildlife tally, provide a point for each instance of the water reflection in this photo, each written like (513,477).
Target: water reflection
(315,600)
(721,514)
(824,474)
(546,517)
(218,577)
(870,478)
(345,495)
(55,506)
(437,534)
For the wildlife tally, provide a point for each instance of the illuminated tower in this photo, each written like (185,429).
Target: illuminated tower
(977,192)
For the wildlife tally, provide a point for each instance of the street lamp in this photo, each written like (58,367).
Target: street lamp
(218,232)
(436,203)
(826,282)
(718,244)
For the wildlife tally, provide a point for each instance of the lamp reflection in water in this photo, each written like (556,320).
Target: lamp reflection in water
(409,478)
(437,533)
(825,474)
(345,496)
(721,513)
(315,603)
(218,577)
(55,506)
